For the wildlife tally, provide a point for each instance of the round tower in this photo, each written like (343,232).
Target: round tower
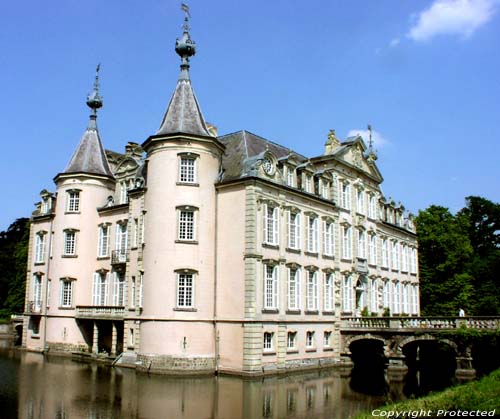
(183,163)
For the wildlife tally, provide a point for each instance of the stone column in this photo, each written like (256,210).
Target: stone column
(95,339)
(465,371)
(113,339)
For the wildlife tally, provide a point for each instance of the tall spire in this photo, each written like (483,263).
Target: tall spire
(89,157)
(183,113)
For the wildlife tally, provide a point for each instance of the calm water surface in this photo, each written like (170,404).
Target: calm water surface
(36,387)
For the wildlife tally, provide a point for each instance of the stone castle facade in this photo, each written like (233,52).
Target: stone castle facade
(195,252)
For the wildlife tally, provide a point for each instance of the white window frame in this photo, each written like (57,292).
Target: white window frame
(133,291)
(294,219)
(37,292)
(308,182)
(291,340)
(327,339)
(121,241)
(328,238)
(404,258)
(135,232)
(185,289)
(361,244)
(268,341)
(372,249)
(69,248)
(66,297)
(290,181)
(270,288)
(385,253)
(271,224)
(395,255)
(187,224)
(345,194)
(39,247)
(374,296)
(100,288)
(312,291)
(387,294)
(119,290)
(73,201)
(294,288)
(372,207)
(346,242)
(328,292)
(396,308)
(188,169)
(312,233)
(104,240)
(360,201)
(347,294)
(406,304)
(310,339)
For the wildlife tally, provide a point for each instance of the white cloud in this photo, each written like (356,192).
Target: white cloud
(395,42)
(378,140)
(452,17)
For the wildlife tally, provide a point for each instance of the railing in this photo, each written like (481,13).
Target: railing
(420,322)
(119,256)
(34,307)
(100,312)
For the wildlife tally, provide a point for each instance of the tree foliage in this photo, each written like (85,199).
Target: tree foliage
(13,261)
(460,258)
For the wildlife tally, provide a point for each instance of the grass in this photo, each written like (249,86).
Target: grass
(483,395)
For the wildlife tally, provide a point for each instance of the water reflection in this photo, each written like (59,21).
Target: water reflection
(60,388)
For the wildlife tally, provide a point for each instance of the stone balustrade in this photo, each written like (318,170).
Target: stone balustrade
(100,312)
(378,323)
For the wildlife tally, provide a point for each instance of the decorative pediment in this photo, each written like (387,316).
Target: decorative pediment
(353,152)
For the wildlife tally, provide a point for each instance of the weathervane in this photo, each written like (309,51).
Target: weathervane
(185,46)
(94,100)
(371,154)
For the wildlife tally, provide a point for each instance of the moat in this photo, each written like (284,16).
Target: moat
(33,386)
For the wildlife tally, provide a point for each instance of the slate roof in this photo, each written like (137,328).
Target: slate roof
(243,147)
(183,113)
(89,157)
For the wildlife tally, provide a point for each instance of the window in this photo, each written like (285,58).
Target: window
(361,244)
(396,298)
(374,296)
(385,253)
(119,289)
(48,293)
(307,183)
(310,339)
(387,294)
(39,247)
(66,293)
(100,288)
(135,232)
(270,287)
(46,205)
(268,341)
(186,225)
(293,230)
(325,188)
(271,217)
(123,192)
(69,243)
(372,207)
(413,260)
(372,249)
(37,293)
(289,176)
(347,292)
(406,305)
(187,169)
(312,234)
(121,241)
(328,237)
(345,195)
(360,201)
(327,339)
(328,291)
(293,289)
(73,201)
(395,255)
(346,242)
(312,291)
(185,289)
(291,340)
(404,259)
(141,289)
(415,299)
(133,291)
(103,245)
(143,224)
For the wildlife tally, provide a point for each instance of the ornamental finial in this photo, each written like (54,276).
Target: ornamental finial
(94,100)
(185,47)
(371,153)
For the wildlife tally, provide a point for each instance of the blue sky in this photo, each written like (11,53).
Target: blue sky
(424,74)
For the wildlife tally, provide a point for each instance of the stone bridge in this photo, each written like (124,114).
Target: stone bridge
(394,333)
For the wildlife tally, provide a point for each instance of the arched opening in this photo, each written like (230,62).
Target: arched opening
(19,334)
(431,366)
(367,375)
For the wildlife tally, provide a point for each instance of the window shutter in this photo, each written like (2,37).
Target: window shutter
(276,222)
(106,289)
(289,232)
(95,289)
(115,289)
(265,215)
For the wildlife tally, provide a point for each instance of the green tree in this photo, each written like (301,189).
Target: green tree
(483,219)
(445,254)
(13,260)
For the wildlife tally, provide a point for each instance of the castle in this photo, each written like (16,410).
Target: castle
(199,253)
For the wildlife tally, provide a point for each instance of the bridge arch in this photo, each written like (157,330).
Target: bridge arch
(366,336)
(426,337)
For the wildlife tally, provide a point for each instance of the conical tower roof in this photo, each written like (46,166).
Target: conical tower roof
(89,157)
(183,114)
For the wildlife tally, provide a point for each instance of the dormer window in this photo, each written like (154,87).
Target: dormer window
(73,201)
(307,183)
(289,176)
(46,205)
